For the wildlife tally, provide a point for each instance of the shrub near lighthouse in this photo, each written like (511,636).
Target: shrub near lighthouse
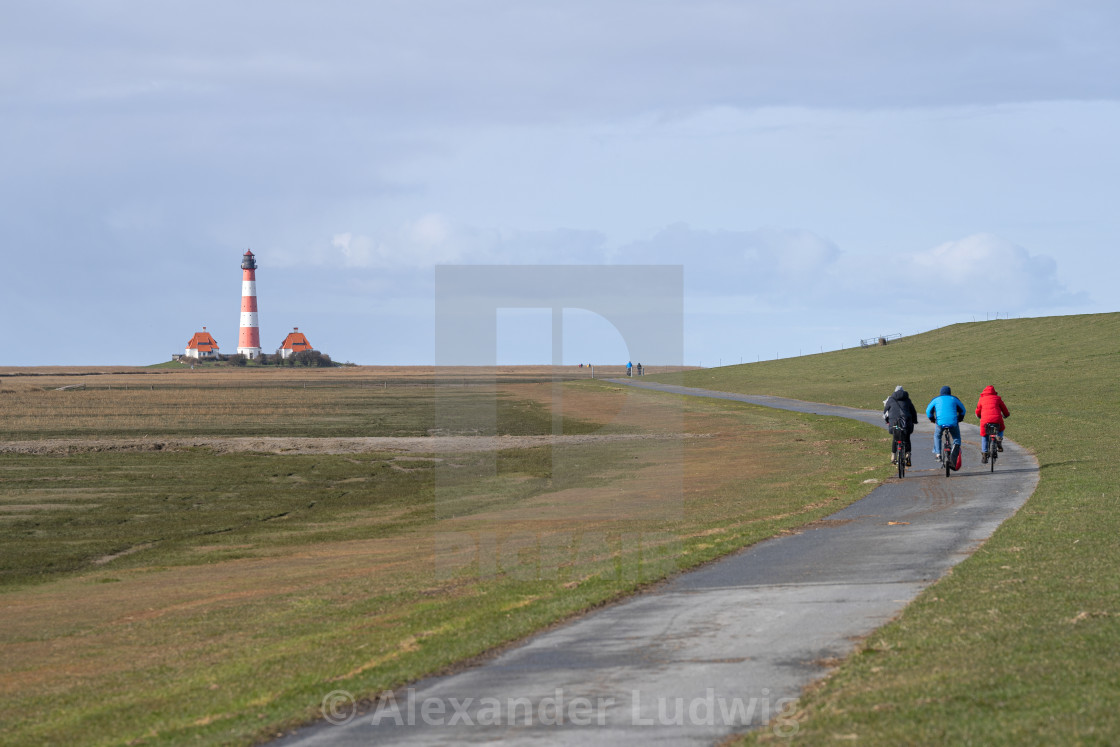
(249,337)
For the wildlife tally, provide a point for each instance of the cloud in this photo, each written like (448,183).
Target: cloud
(771,269)
(425,242)
(433,239)
(768,262)
(422,243)
(510,60)
(767,268)
(985,271)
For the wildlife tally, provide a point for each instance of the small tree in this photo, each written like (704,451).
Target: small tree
(311,358)
(238,360)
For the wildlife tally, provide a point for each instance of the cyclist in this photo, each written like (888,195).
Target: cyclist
(899,410)
(947,412)
(990,409)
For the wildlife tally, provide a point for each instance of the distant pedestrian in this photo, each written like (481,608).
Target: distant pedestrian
(629,368)
(639,369)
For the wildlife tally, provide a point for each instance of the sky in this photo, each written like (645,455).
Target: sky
(823,172)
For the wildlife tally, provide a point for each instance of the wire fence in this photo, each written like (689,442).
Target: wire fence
(868,342)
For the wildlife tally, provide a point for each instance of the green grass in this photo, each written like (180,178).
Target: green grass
(244,587)
(1018,644)
(91,505)
(170,408)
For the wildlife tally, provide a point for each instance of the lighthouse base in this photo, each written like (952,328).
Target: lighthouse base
(250,353)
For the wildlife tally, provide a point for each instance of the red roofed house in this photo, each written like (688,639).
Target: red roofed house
(294,343)
(202,345)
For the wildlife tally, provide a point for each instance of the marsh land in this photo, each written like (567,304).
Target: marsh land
(202,555)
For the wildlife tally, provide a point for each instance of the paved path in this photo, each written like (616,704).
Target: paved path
(725,647)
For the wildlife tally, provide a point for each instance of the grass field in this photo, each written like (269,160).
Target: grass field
(353,401)
(162,594)
(1018,645)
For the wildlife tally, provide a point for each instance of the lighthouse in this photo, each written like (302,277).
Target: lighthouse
(249,339)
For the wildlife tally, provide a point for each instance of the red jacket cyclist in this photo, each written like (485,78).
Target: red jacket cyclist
(990,409)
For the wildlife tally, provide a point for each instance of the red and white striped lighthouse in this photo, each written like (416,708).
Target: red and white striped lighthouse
(249,340)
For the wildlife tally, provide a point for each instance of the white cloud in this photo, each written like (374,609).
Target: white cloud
(354,253)
(433,239)
(768,262)
(740,272)
(771,269)
(431,231)
(419,244)
(985,271)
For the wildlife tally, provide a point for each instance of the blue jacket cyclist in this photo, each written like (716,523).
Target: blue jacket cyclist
(947,411)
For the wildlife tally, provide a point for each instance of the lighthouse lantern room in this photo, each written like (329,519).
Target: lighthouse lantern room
(249,338)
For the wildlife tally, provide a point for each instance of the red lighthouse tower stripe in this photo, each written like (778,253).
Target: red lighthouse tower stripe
(249,303)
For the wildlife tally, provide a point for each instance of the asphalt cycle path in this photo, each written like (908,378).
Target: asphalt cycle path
(721,649)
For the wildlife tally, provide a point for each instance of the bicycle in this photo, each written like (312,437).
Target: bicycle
(947,450)
(991,430)
(898,447)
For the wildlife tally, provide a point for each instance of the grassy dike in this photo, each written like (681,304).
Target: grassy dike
(1018,645)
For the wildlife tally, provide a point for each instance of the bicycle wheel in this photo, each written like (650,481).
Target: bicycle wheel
(947,451)
(992,452)
(900,455)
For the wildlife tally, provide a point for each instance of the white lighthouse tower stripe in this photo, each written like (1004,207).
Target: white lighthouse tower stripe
(249,337)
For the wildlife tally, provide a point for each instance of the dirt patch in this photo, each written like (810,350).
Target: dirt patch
(825,523)
(286,445)
(109,558)
(41,506)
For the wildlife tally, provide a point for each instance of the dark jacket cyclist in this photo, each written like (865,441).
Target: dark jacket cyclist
(947,411)
(899,410)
